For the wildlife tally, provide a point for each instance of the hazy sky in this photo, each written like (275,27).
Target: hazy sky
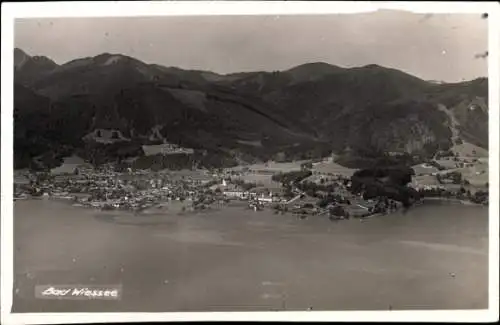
(433,47)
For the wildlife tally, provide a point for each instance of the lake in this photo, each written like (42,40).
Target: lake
(432,257)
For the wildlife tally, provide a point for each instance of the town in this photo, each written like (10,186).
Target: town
(302,191)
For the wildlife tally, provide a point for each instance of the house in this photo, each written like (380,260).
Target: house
(201,178)
(230,190)
(60,179)
(21,180)
(223,186)
(259,191)
(266,199)
(236,193)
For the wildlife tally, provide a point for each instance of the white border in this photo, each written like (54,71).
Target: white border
(493,142)
(159,8)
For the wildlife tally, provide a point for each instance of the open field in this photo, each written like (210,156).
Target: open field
(467,149)
(166,149)
(69,165)
(420,169)
(276,167)
(332,167)
(265,180)
(272,167)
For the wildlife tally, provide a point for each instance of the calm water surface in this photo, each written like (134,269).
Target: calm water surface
(432,257)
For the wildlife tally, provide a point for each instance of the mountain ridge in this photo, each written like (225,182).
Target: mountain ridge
(311,109)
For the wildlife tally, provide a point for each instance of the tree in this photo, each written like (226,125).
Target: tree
(306,165)
(323,203)
(287,193)
(248,186)
(280,157)
(480,197)
(438,178)
(338,211)
(311,192)
(456,177)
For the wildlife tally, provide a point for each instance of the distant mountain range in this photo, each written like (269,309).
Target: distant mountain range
(307,111)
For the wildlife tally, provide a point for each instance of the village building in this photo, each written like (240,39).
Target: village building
(230,190)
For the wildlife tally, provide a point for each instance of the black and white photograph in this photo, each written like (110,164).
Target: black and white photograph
(250,163)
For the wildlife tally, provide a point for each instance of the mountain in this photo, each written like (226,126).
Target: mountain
(20,58)
(31,135)
(311,71)
(98,76)
(29,68)
(372,106)
(302,112)
(467,107)
(145,104)
(261,83)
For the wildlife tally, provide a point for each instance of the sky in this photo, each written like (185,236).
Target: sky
(433,47)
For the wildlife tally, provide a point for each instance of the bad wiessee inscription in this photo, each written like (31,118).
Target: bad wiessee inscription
(112,292)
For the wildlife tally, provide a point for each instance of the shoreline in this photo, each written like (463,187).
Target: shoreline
(151,211)
(450,201)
